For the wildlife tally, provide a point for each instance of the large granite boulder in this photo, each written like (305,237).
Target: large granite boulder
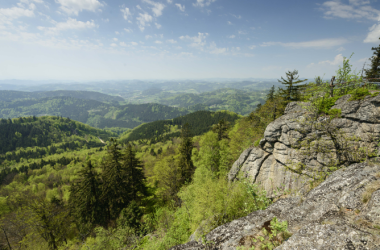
(266,164)
(343,212)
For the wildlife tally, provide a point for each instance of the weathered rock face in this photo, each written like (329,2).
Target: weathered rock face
(265,164)
(331,216)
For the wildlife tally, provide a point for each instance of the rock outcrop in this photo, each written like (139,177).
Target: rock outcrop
(265,164)
(343,212)
(334,215)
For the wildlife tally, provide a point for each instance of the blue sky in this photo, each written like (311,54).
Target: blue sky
(183,39)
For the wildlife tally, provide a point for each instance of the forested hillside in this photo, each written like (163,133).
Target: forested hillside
(200,122)
(155,186)
(53,177)
(235,100)
(11,95)
(94,113)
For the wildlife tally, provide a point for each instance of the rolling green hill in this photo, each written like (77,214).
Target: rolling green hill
(200,122)
(94,113)
(25,141)
(235,100)
(11,95)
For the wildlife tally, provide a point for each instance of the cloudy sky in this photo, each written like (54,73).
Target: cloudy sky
(177,39)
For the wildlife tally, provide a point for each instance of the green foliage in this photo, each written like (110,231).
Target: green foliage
(360,93)
(44,131)
(185,149)
(91,112)
(238,101)
(272,236)
(221,129)
(374,70)
(325,103)
(256,143)
(123,180)
(292,91)
(85,196)
(200,122)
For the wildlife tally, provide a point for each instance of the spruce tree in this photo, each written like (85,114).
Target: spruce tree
(116,182)
(137,188)
(185,149)
(85,196)
(292,92)
(270,95)
(221,129)
(374,70)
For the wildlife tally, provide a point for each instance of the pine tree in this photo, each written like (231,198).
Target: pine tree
(292,92)
(137,188)
(374,71)
(85,196)
(185,149)
(115,189)
(221,129)
(270,95)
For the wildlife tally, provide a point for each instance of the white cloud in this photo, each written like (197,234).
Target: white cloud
(229,22)
(237,16)
(202,3)
(373,35)
(138,7)
(180,7)
(126,14)
(28,1)
(197,41)
(252,46)
(105,20)
(113,45)
(340,49)
(144,20)
(213,49)
(158,42)
(337,60)
(322,43)
(148,36)
(73,7)
(358,2)
(128,30)
(158,26)
(231,36)
(117,32)
(157,7)
(70,24)
(9,14)
(169,1)
(241,32)
(115,39)
(123,44)
(356,9)
(134,43)
(171,41)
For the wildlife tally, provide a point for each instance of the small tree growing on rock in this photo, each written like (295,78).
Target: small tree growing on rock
(293,86)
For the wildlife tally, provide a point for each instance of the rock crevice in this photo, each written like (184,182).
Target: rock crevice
(266,164)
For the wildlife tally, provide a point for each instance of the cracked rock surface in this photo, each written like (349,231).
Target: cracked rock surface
(264,164)
(331,216)
(343,212)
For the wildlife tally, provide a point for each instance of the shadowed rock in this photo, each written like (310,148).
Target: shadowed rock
(331,216)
